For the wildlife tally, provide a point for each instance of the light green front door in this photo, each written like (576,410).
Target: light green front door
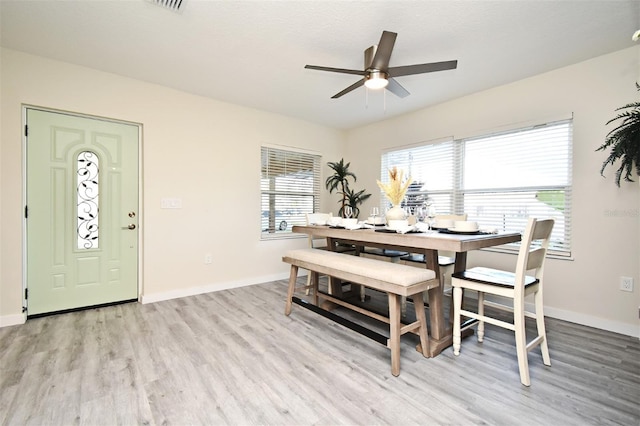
(82,212)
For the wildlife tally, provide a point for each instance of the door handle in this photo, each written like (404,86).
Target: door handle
(131,226)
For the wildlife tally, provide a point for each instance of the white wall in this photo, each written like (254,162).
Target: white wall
(200,150)
(605,219)
(192,146)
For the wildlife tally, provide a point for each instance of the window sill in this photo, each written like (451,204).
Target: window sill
(280,236)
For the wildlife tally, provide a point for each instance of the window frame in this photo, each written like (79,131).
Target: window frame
(287,172)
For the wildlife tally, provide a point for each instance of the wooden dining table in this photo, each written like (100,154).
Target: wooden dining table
(427,243)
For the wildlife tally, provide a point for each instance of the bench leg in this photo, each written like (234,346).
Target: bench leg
(421,317)
(315,278)
(293,276)
(394,331)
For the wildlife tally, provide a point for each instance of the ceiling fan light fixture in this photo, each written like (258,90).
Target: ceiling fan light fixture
(376,80)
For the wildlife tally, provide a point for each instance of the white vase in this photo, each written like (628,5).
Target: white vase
(395,213)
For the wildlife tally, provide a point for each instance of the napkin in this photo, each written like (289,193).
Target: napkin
(405,229)
(356,226)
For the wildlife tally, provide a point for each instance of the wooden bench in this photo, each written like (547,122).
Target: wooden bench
(394,279)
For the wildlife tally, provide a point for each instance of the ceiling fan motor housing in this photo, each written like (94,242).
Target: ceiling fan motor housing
(376,79)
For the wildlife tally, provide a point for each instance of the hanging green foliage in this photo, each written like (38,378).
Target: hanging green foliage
(623,142)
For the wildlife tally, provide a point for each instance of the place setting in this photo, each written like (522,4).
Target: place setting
(346,222)
(462,227)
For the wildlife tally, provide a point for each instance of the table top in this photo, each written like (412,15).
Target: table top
(417,241)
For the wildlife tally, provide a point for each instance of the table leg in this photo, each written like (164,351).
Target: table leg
(335,285)
(436,311)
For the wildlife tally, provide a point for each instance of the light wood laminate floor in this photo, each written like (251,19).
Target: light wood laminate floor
(233,357)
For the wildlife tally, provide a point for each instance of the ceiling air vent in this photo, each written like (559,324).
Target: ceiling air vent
(174,5)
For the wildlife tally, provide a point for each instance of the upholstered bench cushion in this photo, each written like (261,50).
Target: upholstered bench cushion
(377,274)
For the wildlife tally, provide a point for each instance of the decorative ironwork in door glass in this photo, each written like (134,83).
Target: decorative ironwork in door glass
(88,192)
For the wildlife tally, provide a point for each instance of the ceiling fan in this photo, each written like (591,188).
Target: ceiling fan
(378,75)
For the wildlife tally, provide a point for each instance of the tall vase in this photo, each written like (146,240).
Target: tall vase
(395,213)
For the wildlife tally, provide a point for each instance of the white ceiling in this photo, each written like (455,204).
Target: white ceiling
(253,53)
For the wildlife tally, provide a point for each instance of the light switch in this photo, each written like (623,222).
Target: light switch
(171,203)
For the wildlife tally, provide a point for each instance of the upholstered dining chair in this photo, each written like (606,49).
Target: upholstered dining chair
(321,242)
(318,218)
(514,286)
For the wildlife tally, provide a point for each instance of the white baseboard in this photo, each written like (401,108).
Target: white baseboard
(9,320)
(578,318)
(192,291)
(591,321)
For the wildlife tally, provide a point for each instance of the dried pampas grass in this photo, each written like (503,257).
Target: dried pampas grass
(395,189)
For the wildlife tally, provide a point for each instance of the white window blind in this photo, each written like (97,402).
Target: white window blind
(499,179)
(509,177)
(432,168)
(289,187)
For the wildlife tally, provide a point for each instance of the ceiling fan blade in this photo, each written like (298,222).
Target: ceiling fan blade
(396,88)
(349,89)
(340,70)
(383,52)
(422,68)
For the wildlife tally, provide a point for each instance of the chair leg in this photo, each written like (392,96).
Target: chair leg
(293,276)
(394,332)
(544,347)
(521,342)
(457,306)
(481,313)
(421,317)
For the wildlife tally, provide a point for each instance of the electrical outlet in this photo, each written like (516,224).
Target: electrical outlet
(626,283)
(208,259)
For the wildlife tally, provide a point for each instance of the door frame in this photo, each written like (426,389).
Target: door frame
(25,259)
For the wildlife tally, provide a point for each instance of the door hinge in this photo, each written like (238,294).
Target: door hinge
(26,293)
(26,130)
(24,309)
(26,212)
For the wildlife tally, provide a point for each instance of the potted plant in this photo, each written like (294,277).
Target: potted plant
(339,182)
(624,142)
(354,199)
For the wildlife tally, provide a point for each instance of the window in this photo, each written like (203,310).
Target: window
(87,170)
(499,179)
(432,168)
(289,187)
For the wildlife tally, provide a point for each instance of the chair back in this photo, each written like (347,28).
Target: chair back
(313,218)
(453,217)
(533,250)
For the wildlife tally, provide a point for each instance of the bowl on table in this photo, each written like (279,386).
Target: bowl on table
(334,221)
(444,224)
(465,226)
(349,223)
(396,224)
(377,220)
